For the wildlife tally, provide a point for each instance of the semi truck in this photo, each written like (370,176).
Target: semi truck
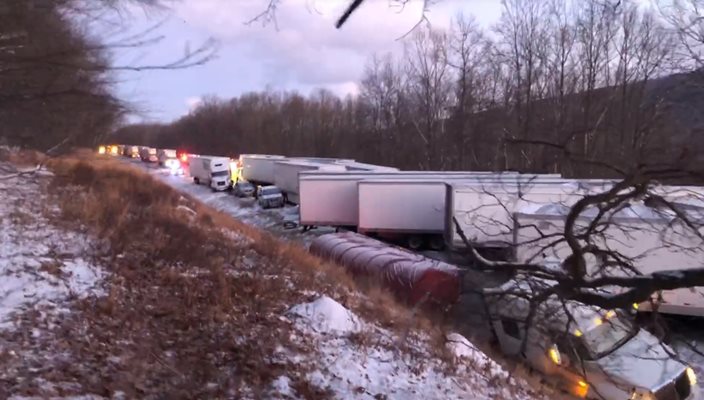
(485,211)
(258,169)
(148,154)
(649,239)
(286,175)
(332,199)
(354,166)
(213,172)
(165,154)
(414,211)
(411,212)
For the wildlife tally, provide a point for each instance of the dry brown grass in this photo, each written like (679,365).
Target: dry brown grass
(180,308)
(23,158)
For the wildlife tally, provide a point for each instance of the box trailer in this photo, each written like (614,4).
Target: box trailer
(410,211)
(331,199)
(485,211)
(148,154)
(213,172)
(355,166)
(651,240)
(286,175)
(413,211)
(321,160)
(259,168)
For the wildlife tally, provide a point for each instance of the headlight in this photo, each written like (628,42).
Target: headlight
(692,376)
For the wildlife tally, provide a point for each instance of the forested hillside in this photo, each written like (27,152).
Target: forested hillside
(582,88)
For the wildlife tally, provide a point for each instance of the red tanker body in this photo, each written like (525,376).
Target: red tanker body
(410,276)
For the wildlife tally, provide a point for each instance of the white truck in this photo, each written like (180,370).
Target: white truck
(410,211)
(258,169)
(413,211)
(148,154)
(355,166)
(485,211)
(589,352)
(165,154)
(332,199)
(213,172)
(652,240)
(286,175)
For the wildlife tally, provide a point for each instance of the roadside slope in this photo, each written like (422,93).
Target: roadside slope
(197,304)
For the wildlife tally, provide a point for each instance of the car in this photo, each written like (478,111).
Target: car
(243,189)
(290,221)
(270,197)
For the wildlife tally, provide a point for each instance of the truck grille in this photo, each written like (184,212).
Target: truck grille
(677,390)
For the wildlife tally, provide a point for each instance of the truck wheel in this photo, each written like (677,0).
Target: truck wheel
(196,181)
(415,242)
(436,243)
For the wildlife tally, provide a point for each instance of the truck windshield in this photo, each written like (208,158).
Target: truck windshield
(221,173)
(607,336)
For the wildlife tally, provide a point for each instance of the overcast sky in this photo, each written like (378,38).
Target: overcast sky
(305,52)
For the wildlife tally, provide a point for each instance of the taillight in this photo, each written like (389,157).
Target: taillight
(184,157)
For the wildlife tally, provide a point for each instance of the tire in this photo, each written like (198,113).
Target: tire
(415,242)
(435,242)
(196,181)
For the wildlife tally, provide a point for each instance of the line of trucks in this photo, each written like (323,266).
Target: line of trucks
(592,353)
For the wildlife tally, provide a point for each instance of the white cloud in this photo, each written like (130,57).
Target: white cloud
(304,53)
(306,48)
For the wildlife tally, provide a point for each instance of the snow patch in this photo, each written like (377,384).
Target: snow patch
(282,386)
(41,265)
(325,315)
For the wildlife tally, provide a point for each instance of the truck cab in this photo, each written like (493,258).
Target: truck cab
(587,351)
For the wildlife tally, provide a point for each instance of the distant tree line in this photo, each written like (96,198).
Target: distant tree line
(583,88)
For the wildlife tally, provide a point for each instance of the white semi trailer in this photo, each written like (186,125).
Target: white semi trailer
(651,240)
(410,211)
(286,175)
(331,199)
(259,168)
(414,211)
(355,166)
(485,211)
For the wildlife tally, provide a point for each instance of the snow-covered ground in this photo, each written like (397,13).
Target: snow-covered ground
(41,264)
(360,360)
(44,270)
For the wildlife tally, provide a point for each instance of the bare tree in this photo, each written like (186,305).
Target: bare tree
(430,91)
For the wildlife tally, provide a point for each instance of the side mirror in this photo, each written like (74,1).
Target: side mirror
(554,355)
